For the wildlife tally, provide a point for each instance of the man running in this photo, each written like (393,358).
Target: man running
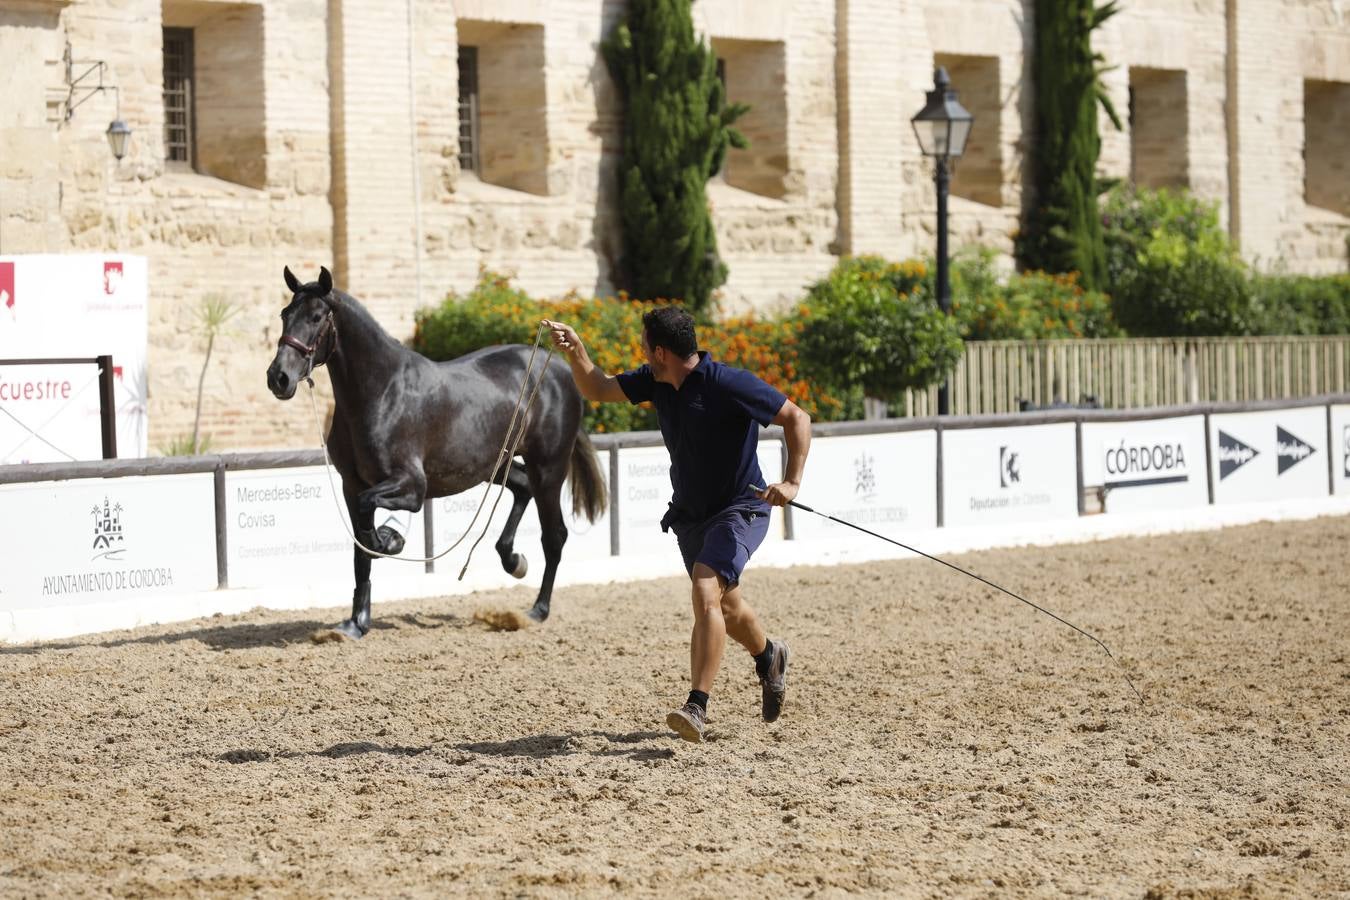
(710,416)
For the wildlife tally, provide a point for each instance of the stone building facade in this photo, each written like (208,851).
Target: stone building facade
(404,145)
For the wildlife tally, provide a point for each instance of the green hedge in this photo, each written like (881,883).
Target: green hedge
(496,312)
(1171,270)
(1303,304)
(872,328)
(1174,272)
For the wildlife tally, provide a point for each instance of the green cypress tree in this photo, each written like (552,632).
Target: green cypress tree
(676,129)
(1063,231)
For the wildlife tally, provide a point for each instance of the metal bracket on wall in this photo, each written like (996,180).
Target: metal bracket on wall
(76,84)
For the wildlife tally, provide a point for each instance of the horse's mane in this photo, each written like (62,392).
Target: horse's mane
(354,310)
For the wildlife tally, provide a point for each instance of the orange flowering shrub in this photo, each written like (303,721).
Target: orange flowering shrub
(496,312)
(768,347)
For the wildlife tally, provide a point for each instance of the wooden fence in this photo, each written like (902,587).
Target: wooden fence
(993,376)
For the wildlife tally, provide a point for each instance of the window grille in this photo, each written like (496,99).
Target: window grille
(468,109)
(179,128)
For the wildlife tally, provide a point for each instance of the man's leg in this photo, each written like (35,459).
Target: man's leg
(771,660)
(719,611)
(710,628)
(742,623)
(705,652)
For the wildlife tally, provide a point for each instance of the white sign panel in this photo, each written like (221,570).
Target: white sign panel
(282,527)
(51,413)
(1277,455)
(1019,474)
(645,491)
(62,306)
(453,517)
(884,482)
(1340,446)
(73,543)
(1148,464)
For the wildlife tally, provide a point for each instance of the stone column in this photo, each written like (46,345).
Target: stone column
(373,177)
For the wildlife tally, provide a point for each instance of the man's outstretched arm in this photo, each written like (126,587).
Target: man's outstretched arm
(591,381)
(797,433)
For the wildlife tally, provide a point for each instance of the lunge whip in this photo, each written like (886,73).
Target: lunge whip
(1092,637)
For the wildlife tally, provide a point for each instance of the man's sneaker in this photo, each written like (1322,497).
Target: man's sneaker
(773,684)
(688,722)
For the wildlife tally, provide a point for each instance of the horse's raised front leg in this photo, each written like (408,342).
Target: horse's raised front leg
(518,483)
(406,493)
(403,492)
(548,498)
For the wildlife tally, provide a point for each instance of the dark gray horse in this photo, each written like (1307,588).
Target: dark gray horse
(407,428)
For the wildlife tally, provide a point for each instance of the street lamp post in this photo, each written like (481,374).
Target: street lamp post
(942,127)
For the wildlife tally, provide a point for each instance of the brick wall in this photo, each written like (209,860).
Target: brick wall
(327,137)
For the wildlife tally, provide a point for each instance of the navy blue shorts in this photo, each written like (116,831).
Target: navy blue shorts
(724,542)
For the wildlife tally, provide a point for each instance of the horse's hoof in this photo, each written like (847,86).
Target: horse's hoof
(349,629)
(390,541)
(522,565)
(538,613)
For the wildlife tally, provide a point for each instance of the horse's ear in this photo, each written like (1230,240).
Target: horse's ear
(291,281)
(325,280)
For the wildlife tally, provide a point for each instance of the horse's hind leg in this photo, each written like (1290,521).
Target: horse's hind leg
(547,486)
(518,483)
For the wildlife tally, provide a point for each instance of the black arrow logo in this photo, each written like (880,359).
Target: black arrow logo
(1289,450)
(1233,454)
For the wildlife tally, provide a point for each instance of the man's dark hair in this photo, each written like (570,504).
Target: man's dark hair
(672,328)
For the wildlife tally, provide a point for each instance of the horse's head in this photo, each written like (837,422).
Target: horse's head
(308,334)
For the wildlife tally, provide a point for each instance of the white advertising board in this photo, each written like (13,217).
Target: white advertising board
(644,482)
(1147,464)
(51,413)
(884,482)
(452,516)
(644,494)
(282,527)
(1340,447)
(1269,455)
(61,306)
(1020,474)
(74,543)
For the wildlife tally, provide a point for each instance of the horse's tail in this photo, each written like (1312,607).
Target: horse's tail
(589,496)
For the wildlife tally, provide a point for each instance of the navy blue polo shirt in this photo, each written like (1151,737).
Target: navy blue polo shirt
(711,428)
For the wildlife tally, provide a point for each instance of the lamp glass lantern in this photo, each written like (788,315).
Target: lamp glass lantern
(943,125)
(119,137)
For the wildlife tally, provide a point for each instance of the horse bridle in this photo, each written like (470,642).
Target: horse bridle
(308,350)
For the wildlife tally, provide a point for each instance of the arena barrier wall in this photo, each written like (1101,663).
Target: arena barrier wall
(94,546)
